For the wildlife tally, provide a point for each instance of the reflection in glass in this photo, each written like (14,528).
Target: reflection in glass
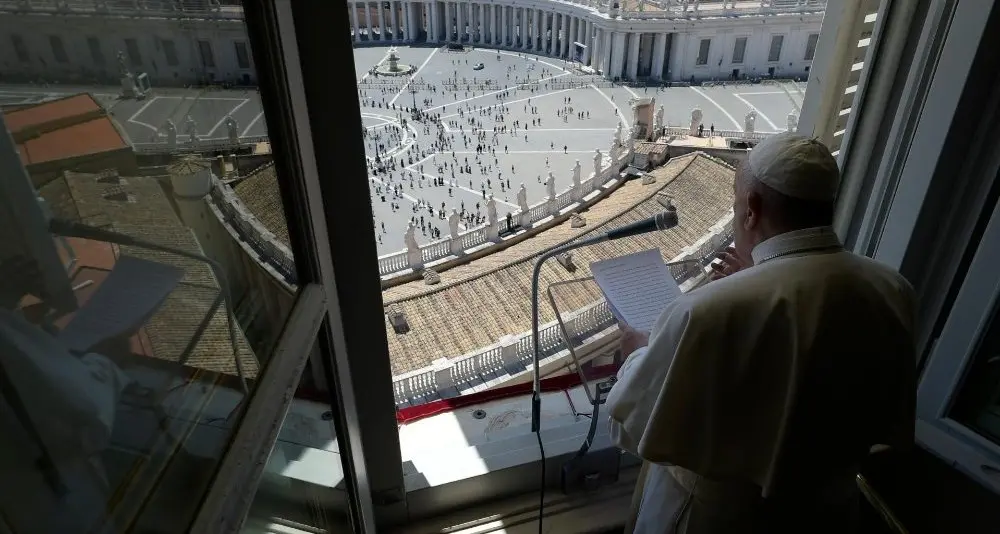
(140,293)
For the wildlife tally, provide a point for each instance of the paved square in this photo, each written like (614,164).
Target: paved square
(511,121)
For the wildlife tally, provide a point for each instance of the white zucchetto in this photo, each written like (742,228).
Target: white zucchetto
(797,166)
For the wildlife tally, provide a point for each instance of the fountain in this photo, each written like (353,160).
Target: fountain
(392,67)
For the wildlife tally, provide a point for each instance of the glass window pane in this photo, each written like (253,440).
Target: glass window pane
(242,55)
(134,56)
(96,55)
(703,51)
(205,52)
(775,51)
(303,481)
(811,46)
(739,49)
(133,327)
(58,50)
(20,48)
(170,52)
(978,400)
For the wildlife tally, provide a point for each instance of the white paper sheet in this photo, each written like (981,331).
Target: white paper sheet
(638,287)
(127,297)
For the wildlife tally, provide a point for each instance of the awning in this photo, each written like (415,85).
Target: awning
(581,45)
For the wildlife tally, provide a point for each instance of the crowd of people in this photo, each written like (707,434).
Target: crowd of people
(417,151)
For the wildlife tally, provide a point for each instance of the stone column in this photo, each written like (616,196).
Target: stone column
(550,32)
(383,22)
(587,40)
(354,20)
(659,50)
(568,22)
(461,6)
(395,21)
(675,63)
(482,23)
(368,20)
(606,43)
(618,54)
(595,53)
(431,23)
(632,67)
(407,8)
(494,25)
(556,39)
(525,40)
(504,35)
(538,29)
(573,28)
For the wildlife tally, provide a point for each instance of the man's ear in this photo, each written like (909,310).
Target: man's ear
(753,210)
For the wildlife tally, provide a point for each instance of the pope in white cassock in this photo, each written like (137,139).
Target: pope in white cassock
(756,397)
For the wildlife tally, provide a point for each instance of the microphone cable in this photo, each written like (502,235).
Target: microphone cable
(541,491)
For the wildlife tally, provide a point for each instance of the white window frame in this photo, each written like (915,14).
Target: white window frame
(951,357)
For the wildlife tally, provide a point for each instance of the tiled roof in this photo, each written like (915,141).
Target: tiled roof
(101,202)
(259,193)
(138,207)
(176,323)
(647,147)
(38,115)
(479,302)
(89,137)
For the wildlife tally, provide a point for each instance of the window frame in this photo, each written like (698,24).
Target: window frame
(289,40)
(814,38)
(58,49)
(135,59)
(242,60)
(169,44)
(206,55)
(919,129)
(96,54)
(780,37)
(20,48)
(698,60)
(743,52)
(953,353)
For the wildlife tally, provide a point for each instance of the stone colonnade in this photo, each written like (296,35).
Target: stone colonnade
(564,35)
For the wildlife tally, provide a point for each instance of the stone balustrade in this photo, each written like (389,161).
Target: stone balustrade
(134,8)
(397,262)
(512,354)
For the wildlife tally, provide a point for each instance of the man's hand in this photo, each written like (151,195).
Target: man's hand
(631,339)
(730,263)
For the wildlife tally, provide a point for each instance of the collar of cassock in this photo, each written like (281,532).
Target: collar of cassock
(819,238)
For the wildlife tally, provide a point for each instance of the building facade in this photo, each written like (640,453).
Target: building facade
(670,40)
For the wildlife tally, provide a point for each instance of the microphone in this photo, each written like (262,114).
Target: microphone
(661,221)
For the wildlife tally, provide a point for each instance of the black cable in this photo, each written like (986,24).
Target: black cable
(541,490)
